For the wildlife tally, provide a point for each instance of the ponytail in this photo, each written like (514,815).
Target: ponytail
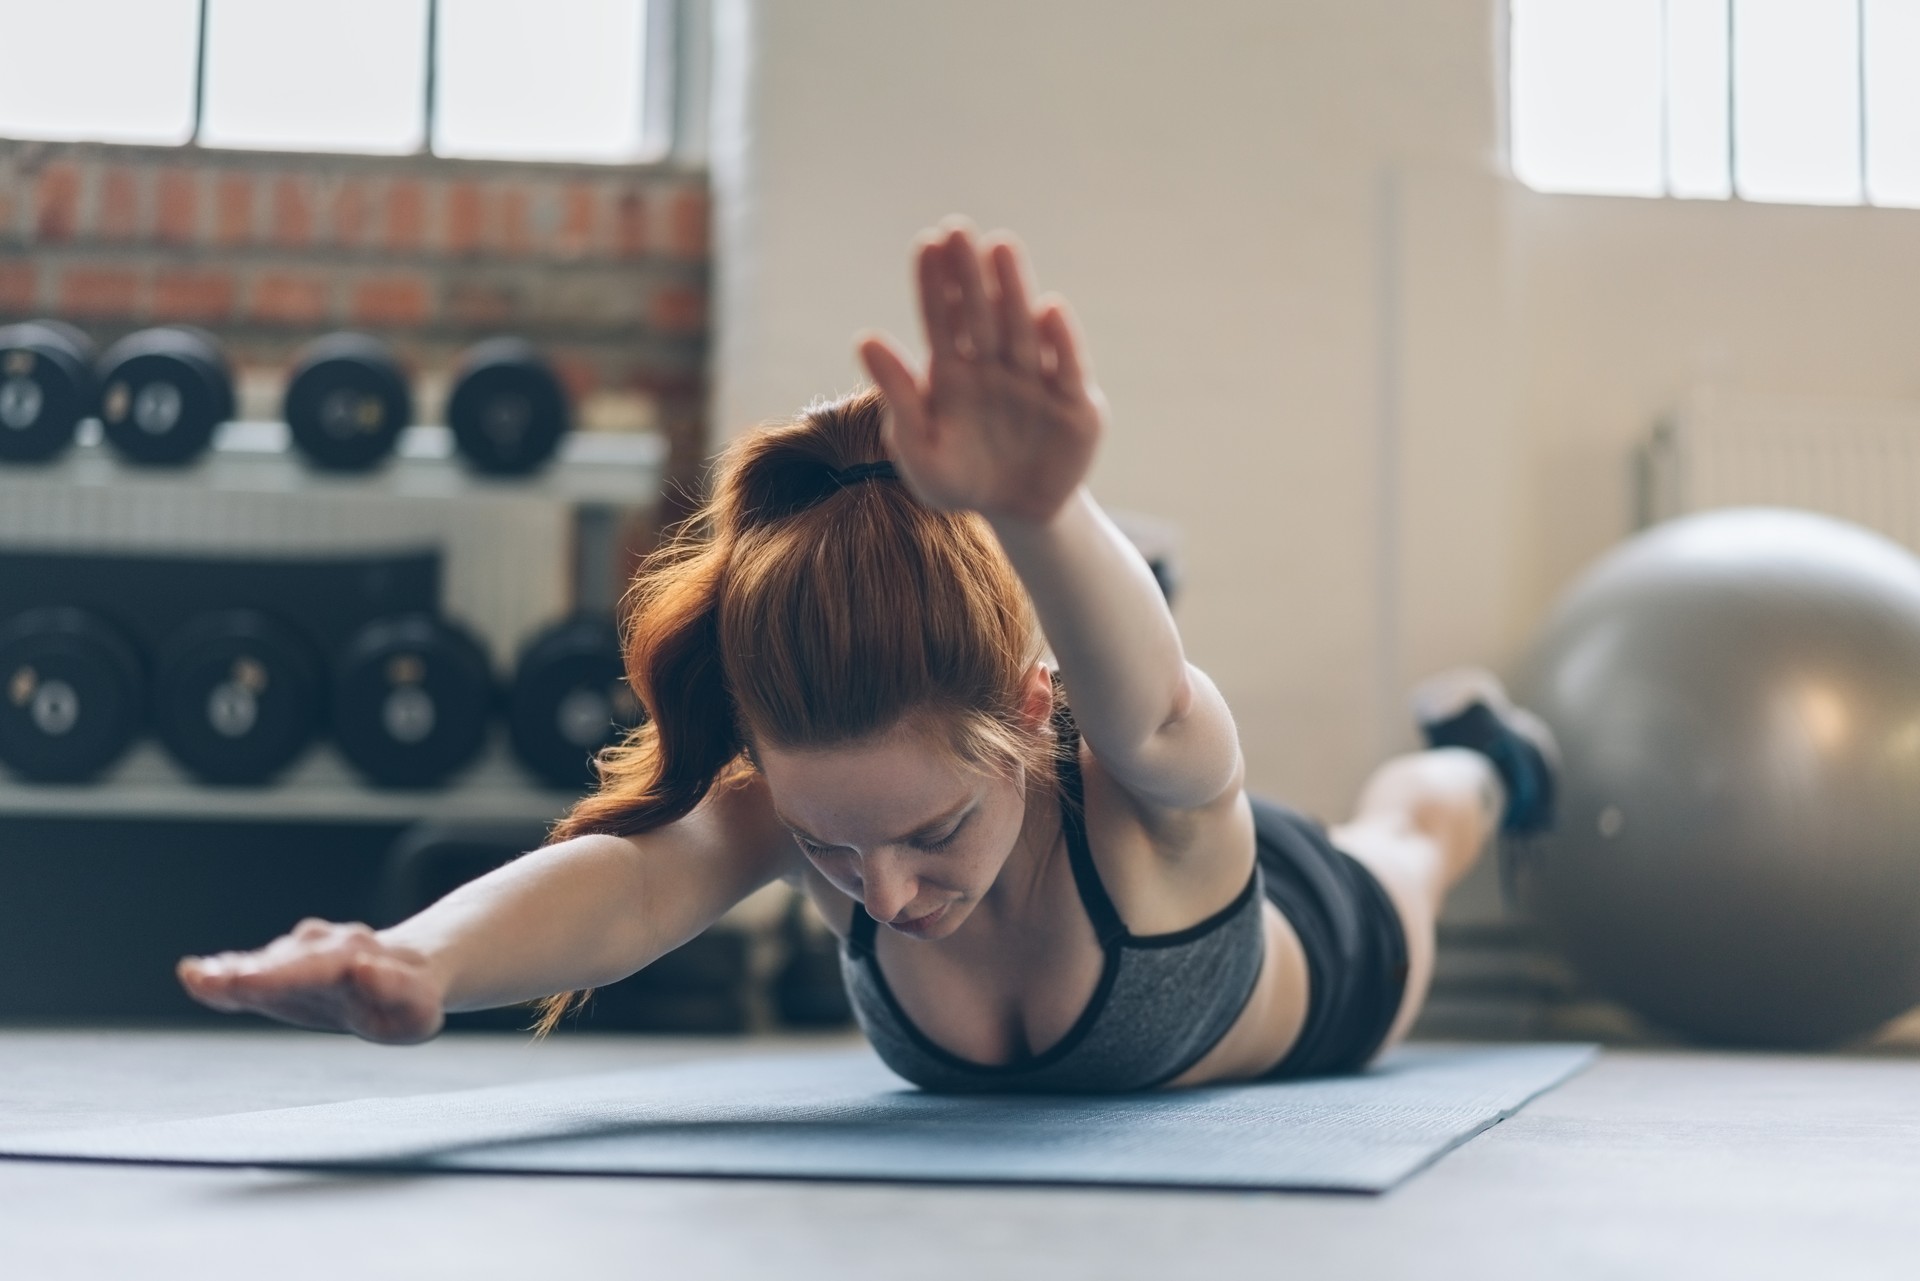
(690,737)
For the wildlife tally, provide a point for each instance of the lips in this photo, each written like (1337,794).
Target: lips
(918,924)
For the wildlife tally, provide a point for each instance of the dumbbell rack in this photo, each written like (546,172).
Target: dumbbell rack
(518,553)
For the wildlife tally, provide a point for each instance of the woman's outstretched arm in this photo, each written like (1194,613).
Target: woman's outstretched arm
(582,913)
(1005,420)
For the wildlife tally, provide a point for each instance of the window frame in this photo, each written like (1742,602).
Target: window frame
(1731,142)
(673,75)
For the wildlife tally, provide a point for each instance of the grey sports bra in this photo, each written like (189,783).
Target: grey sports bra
(1163,1000)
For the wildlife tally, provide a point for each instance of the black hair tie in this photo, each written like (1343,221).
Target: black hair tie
(882,470)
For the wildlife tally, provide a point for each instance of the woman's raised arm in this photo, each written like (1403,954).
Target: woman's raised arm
(577,914)
(1004,421)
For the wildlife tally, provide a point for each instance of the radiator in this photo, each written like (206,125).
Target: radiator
(1857,460)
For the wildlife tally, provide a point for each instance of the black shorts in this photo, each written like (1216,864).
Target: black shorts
(1355,943)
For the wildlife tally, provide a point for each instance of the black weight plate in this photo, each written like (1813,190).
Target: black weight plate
(570,698)
(236,696)
(507,410)
(347,402)
(71,694)
(162,394)
(71,336)
(46,388)
(411,700)
(204,349)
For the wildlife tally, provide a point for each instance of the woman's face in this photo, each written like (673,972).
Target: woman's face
(898,824)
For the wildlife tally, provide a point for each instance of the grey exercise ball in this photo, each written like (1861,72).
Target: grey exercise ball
(1737,700)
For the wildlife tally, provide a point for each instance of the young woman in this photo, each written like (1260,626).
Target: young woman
(1043,879)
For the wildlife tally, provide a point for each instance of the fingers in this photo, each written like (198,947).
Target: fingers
(375,995)
(939,309)
(207,981)
(979,324)
(312,954)
(1020,340)
(898,382)
(1061,347)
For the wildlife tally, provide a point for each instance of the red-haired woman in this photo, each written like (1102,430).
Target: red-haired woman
(842,669)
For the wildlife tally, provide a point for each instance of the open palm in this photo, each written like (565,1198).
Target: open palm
(1005,419)
(326,976)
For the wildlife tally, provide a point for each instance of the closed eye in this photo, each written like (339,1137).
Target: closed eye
(934,847)
(931,847)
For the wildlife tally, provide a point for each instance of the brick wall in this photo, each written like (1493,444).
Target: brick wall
(605,268)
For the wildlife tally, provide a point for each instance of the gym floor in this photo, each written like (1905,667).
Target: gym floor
(1654,1163)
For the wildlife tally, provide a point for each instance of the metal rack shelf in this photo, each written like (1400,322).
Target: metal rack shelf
(517,552)
(592,468)
(319,788)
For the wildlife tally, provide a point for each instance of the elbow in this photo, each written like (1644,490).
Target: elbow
(1181,705)
(1192,759)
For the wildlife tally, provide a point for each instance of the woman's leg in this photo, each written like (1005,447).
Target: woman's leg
(1422,823)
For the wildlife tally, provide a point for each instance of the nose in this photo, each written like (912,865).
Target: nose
(886,887)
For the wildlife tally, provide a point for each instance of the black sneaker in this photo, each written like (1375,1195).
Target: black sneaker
(1468,707)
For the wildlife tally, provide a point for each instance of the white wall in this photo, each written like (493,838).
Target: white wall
(1625,307)
(1215,187)
(1388,394)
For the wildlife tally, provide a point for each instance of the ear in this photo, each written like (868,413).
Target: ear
(1036,698)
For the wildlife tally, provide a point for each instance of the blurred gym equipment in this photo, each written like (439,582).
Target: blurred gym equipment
(569,699)
(507,409)
(1737,697)
(237,696)
(162,393)
(706,985)
(46,388)
(72,694)
(411,700)
(347,402)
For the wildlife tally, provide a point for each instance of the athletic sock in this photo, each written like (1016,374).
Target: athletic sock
(1469,708)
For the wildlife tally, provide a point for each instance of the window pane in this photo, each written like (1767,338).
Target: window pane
(1698,162)
(349,75)
(1796,109)
(540,79)
(112,70)
(1893,102)
(1586,96)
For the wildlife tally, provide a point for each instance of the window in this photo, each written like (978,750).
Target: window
(1806,101)
(347,76)
(577,80)
(111,70)
(556,81)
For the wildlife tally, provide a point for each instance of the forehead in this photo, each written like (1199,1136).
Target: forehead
(886,783)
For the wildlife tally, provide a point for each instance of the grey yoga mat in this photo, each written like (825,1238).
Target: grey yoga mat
(840,1115)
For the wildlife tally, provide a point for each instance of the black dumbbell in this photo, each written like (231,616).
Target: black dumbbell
(162,393)
(237,696)
(46,388)
(411,700)
(507,409)
(72,693)
(347,402)
(570,698)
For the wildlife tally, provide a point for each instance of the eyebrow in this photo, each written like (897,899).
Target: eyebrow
(952,817)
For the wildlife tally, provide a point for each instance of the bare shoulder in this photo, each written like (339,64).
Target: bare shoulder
(729,845)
